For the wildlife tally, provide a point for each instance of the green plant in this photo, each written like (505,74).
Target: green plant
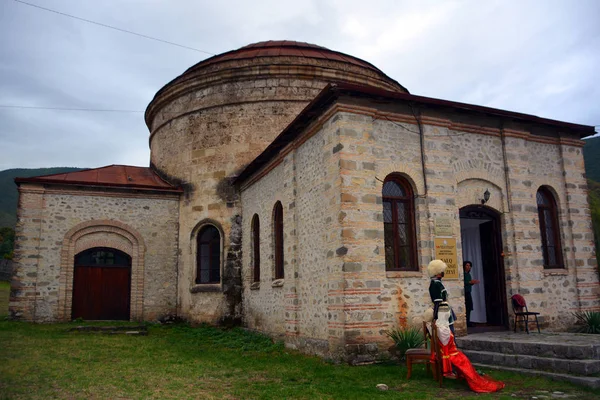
(406,338)
(588,321)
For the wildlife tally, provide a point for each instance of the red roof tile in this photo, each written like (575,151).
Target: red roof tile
(122,176)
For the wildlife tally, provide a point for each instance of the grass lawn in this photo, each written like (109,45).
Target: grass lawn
(179,362)
(4,292)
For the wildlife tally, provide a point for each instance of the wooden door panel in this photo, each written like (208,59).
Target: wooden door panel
(115,293)
(101,293)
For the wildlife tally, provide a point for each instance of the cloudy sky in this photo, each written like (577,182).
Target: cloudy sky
(536,57)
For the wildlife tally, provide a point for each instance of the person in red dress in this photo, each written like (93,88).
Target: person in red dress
(452,357)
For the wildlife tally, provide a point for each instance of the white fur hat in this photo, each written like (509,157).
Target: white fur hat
(436,267)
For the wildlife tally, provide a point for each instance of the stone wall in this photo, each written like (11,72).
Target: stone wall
(302,307)
(54,224)
(211,122)
(359,145)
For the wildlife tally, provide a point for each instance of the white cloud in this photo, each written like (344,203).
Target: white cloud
(536,57)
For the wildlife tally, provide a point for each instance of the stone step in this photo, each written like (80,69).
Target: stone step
(549,364)
(140,330)
(573,348)
(589,381)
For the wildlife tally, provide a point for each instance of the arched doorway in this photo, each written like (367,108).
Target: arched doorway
(482,245)
(101,284)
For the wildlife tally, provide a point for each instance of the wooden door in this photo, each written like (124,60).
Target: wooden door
(101,286)
(493,274)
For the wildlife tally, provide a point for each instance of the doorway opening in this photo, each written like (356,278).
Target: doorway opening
(101,285)
(482,245)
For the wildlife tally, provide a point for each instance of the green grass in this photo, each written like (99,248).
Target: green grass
(179,362)
(4,292)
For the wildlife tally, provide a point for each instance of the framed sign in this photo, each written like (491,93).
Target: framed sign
(445,250)
(443,226)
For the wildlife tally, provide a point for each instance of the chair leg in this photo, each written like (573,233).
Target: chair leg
(527,324)
(515,330)
(537,324)
(408,368)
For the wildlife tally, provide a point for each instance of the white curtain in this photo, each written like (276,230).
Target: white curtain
(471,247)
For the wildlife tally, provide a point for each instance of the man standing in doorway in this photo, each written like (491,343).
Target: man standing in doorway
(469,282)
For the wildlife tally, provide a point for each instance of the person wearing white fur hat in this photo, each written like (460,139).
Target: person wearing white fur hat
(437,290)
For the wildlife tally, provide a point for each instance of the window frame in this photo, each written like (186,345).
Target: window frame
(408,201)
(278,244)
(199,265)
(255,229)
(557,244)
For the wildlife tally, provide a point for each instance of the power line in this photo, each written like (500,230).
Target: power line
(67,109)
(112,27)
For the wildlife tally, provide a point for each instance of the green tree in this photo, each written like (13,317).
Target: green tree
(7,241)
(594,198)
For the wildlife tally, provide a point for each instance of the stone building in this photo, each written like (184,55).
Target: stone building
(302,192)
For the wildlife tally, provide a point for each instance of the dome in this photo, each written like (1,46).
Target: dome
(264,58)
(282,48)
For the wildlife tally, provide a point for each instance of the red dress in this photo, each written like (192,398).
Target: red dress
(453,357)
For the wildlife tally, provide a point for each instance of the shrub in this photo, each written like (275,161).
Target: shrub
(588,321)
(406,338)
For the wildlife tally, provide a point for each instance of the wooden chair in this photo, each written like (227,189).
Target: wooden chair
(521,313)
(438,367)
(420,355)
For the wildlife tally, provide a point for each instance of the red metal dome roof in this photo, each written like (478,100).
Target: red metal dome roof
(275,48)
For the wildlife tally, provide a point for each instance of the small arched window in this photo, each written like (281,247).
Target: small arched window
(208,255)
(278,239)
(549,232)
(255,248)
(399,225)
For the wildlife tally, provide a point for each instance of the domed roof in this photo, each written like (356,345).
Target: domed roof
(270,58)
(278,48)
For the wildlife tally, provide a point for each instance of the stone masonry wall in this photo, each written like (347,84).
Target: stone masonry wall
(463,158)
(211,122)
(305,306)
(55,224)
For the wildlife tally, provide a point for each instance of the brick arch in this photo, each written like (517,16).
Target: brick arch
(102,233)
(405,171)
(480,170)
(559,197)
(470,191)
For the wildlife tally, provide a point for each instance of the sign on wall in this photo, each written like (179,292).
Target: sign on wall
(443,226)
(445,250)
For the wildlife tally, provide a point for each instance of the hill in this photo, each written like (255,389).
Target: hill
(9,194)
(591,154)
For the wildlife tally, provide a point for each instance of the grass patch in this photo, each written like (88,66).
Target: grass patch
(4,293)
(180,362)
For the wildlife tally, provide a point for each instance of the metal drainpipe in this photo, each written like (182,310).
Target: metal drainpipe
(425,194)
(509,206)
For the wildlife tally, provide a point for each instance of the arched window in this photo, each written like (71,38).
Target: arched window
(208,255)
(255,248)
(399,225)
(549,232)
(103,256)
(278,239)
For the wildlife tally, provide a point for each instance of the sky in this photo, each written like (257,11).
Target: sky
(534,57)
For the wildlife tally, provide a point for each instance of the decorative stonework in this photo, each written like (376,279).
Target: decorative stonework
(102,233)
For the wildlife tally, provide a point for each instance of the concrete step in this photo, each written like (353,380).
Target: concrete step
(549,364)
(589,381)
(573,347)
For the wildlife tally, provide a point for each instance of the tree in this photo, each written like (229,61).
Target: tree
(7,242)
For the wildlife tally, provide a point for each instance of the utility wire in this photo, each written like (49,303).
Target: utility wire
(112,27)
(67,109)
